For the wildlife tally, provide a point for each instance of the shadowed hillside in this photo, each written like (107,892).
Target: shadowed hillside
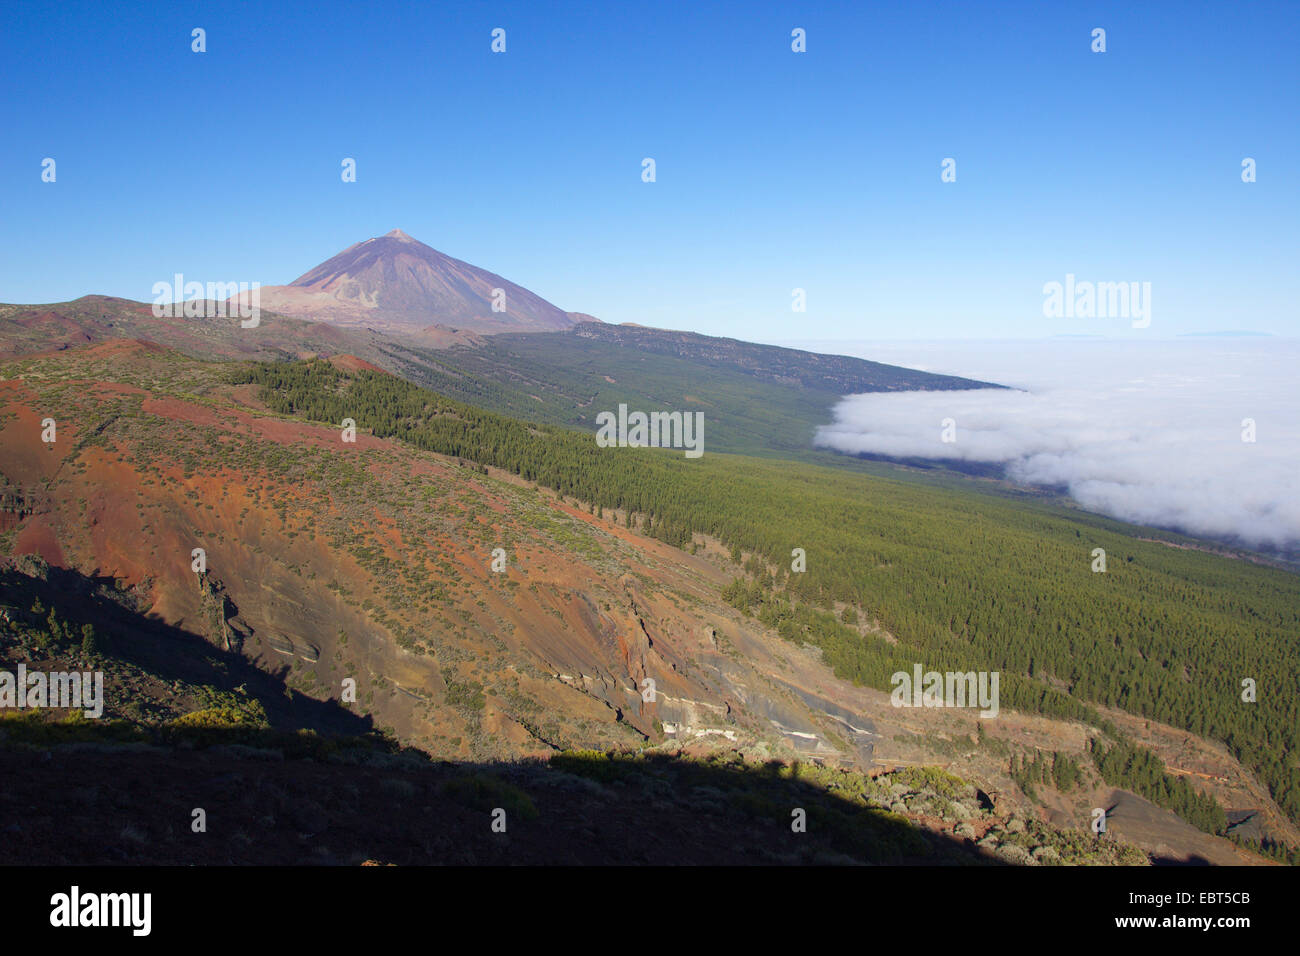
(283,779)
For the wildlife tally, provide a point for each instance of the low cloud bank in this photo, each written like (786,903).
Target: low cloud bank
(1146,432)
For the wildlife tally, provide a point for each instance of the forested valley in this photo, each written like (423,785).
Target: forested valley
(963,579)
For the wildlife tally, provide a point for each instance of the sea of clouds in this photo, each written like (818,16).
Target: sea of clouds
(1148,432)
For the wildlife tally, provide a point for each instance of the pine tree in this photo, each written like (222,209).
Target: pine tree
(89,643)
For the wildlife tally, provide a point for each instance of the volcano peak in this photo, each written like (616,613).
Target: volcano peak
(395,282)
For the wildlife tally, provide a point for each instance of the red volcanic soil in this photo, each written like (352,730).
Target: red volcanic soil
(27,459)
(115,389)
(351,363)
(109,349)
(38,538)
(177,410)
(281,431)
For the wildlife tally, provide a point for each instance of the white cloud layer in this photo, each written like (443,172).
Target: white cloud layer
(1149,432)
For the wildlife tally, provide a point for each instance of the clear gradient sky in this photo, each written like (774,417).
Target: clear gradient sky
(775,170)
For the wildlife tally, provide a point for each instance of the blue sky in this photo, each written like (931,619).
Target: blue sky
(775,170)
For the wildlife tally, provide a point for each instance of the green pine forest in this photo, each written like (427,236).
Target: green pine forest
(760,399)
(965,580)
